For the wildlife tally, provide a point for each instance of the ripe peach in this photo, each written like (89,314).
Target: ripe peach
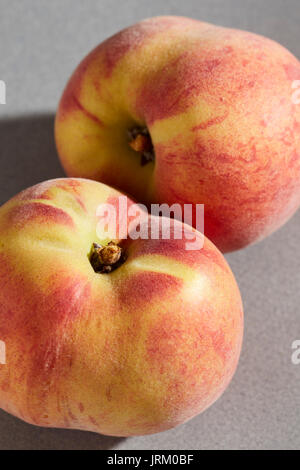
(132,350)
(211,120)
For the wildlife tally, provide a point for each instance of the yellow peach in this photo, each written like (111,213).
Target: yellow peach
(133,350)
(217,108)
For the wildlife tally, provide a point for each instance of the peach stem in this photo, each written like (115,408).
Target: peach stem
(105,259)
(140,141)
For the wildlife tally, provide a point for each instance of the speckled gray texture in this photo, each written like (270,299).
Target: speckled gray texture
(41,42)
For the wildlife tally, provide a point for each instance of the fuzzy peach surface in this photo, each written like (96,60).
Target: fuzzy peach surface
(136,351)
(218,105)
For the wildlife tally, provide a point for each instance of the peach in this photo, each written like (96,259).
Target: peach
(211,120)
(132,350)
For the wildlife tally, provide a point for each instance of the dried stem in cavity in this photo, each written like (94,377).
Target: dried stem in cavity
(105,259)
(140,141)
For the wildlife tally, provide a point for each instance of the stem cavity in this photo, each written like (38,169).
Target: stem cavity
(105,259)
(140,141)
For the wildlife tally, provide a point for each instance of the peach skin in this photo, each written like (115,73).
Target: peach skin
(174,110)
(121,337)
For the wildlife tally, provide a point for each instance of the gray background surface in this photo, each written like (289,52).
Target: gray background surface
(41,42)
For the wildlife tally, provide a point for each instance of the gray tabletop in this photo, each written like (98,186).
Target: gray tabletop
(41,42)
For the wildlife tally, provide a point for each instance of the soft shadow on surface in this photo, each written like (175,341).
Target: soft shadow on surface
(17,435)
(28,156)
(27,153)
